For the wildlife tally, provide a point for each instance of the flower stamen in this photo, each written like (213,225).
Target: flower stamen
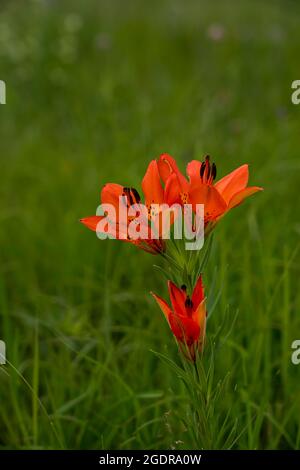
(208,171)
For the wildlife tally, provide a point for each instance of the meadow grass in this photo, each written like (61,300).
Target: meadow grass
(95,90)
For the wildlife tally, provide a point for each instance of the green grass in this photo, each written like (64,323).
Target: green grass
(95,90)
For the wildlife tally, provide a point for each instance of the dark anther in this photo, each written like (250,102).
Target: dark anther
(202,169)
(208,171)
(126,192)
(136,195)
(183,287)
(213,171)
(132,195)
(188,303)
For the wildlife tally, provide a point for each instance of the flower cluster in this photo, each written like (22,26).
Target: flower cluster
(164,186)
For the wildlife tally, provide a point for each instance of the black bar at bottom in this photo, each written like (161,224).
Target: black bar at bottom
(137,459)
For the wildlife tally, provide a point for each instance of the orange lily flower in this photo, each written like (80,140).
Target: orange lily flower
(154,194)
(186,317)
(110,194)
(217,198)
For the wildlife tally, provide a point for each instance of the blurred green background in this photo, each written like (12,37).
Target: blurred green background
(95,90)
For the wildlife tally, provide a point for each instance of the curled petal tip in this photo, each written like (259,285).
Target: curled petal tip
(91,222)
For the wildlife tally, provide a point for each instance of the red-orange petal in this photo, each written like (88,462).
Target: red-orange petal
(166,166)
(111,228)
(233,182)
(153,247)
(177,297)
(151,185)
(198,293)
(199,316)
(173,190)
(163,305)
(243,194)
(110,194)
(193,172)
(214,204)
(185,329)
(91,222)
